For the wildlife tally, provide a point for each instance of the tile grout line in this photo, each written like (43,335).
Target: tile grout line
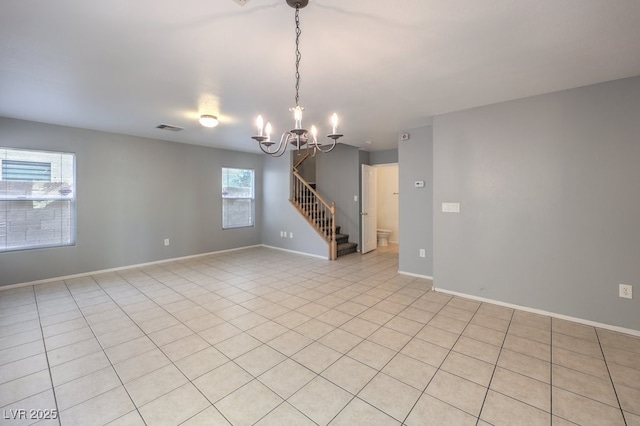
(443,360)
(285,400)
(195,332)
(382,368)
(495,367)
(213,346)
(579,371)
(103,351)
(604,357)
(46,354)
(354,396)
(344,354)
(155,344)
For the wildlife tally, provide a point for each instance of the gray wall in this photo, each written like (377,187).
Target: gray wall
(416,204)
(131,194)
(550,202)
(279,215)
(338,178)
(388,156)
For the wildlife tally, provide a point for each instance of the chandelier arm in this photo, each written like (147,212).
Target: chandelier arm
(333,145)
(267,151)
(282,145)
(276,152)
(314,151)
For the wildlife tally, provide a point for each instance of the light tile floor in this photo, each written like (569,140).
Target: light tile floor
(264,337)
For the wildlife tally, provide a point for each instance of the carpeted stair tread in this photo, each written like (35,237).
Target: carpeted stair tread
(342,238)
(346,248)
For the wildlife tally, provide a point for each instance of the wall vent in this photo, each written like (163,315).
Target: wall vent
(169,127)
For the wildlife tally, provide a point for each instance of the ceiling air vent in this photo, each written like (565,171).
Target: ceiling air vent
(241,2)
(169,127)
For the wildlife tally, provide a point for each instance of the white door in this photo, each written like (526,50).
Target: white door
(368,213)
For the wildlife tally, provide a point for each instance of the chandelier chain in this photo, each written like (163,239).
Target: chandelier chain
(298,54)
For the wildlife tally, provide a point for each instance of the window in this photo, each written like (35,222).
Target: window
(37,199)
(237,198)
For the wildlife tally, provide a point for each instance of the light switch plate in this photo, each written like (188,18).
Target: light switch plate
(451,207)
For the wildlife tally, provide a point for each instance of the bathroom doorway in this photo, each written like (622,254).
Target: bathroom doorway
(388,205)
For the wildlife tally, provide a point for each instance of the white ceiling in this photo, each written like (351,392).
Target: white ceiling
(126,66)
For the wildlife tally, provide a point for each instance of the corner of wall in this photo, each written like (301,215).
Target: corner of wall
(415,159)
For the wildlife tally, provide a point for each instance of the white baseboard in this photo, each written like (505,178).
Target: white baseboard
(426,277)
(296,252)
(120,268)
(541,312)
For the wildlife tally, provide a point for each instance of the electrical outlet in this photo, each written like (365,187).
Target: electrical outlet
(423,253)
(626,291)
(290,234)
(166,241)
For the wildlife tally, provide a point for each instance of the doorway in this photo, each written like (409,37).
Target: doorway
(388,199)
(380,207)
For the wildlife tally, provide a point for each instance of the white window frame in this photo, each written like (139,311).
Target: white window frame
(231,200)
(37,213)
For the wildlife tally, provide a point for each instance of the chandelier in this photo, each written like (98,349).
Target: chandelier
(298,136)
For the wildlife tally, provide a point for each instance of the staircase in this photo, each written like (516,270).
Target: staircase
(320,214)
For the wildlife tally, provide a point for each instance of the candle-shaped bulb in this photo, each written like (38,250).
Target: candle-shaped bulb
(314,132)
(334,122)
(297,115)
(260,124)
(267,130)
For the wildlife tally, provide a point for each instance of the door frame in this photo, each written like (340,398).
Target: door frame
(368,215)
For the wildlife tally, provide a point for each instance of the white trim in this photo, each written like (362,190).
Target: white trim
(427,277)
(541,312)
(120,268)
(296,252)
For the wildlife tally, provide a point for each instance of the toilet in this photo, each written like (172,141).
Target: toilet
(383,234)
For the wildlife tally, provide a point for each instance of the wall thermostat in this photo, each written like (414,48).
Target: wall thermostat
(419,184)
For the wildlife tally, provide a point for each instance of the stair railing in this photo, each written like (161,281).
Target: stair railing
(319,213)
